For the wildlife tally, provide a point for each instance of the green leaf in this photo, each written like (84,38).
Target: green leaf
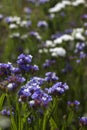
(13,124)
(2,100)
(53,124)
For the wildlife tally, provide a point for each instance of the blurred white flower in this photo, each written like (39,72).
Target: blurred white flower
(78,34)
(45,50)
(15,35)
(78,2)
(40,51)
(5,122)
(13,26)
(58,51)
(64,37)
(57,8)
(49,43)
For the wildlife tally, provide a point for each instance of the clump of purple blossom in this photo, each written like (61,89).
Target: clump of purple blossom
(58,88)
(83,121)
(51,77)
(24,61)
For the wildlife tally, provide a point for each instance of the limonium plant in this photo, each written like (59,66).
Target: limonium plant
(31,102)
(28,101)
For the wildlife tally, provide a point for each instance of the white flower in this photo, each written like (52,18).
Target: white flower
(58,51)
(40,51)
(23,23)
(10,86)
(79,36)
(15,35)
(13,26)
(57,8)
(78,2)
(45,50)
(58,41)
(49,43)
(5,122)
(65,37)
(66,2)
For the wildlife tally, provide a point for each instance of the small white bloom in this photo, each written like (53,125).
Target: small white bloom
(79,36)
(13,26)
(45,50)
(14,35)
(58,51)
(58,41)
(40,51)
(5,122)
(49,43)
(10,86)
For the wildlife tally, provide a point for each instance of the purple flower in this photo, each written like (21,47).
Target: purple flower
(48,63)
(15,70)
(75,104)
(42,24)
(84,16)
(80,46)
(6,112)
(68,68)
(24,62)
(27,10)
(83,121)
(5,69)
(51,77)
(58,88)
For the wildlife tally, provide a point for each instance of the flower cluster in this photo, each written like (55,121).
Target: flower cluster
(24,63)
(51,77)
(58,88)
(83,121)
(33,92)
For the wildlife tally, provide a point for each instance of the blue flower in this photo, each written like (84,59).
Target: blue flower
(58,88)
(83,120)
(51,77)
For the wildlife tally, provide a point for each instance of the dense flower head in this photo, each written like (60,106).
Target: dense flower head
(24,59)
(31,86)
(15,70)
(5,69)
(12,82)
(58,88)
(24,63)
(37,80)
(34,93)
(40,98)
(51,77)
(83,121)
